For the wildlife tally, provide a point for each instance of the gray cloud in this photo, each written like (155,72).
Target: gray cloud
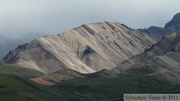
(21,17)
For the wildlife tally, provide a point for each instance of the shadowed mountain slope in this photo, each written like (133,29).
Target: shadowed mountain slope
(162,59)
(169,43)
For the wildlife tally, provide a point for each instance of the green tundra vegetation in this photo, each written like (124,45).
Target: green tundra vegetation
(16,86)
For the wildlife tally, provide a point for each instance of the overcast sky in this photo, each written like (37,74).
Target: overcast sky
(21,17)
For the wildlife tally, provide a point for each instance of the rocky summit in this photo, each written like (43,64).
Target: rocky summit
(86,49)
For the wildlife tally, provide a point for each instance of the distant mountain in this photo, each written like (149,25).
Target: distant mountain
(171,26)
(174,24)
(7,44)
(86,49)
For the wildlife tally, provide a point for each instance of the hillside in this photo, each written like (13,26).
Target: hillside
(169,43)
(161,59)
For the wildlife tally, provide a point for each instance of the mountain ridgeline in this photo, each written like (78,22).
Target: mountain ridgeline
(86,49)
(170,27)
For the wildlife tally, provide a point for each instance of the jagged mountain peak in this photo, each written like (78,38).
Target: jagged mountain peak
(174,24)
(170,27)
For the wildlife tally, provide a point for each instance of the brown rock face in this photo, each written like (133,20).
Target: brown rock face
(86,49)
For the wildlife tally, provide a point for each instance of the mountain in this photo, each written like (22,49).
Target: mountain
(171,26)
(174,24)
(149,72)
(86,49)
(157,70)
(161,60)
(8,44)
(90,48)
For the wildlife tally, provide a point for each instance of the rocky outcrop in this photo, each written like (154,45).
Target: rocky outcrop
(174,24)
(86,49)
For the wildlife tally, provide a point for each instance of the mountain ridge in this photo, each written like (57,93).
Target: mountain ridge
(163,56)
(86,49)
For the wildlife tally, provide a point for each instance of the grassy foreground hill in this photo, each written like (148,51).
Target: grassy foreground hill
(112,89)
(12,69)
(16,86)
